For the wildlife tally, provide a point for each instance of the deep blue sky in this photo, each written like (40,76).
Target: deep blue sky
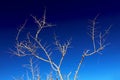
(71,20)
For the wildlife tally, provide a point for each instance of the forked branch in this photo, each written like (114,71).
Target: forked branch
(96,49)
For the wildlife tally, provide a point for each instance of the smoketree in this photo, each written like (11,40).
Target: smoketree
(31,45)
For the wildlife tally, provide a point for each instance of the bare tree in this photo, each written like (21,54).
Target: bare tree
(30,46)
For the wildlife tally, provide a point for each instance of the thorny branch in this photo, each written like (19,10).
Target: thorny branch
(95,49)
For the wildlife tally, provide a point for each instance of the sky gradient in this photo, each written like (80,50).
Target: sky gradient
(71,18)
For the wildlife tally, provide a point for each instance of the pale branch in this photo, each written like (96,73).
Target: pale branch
(21,53)
(102,36)
(47,54)
(20,78)
(50,76)
(38,57)
(35,55)
(59,73)
(106,31)
(68,76)
(38,75)
(94,52)
(22,47)
(85,54)
(62,48)
(100,40)
(21,28)
(79,65)
(33,70)
(95,49)
(28,37)
(93,32)
(44,17)
(61,61)
(41,24)
(28,78)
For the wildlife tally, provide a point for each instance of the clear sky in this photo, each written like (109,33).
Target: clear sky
(71,18)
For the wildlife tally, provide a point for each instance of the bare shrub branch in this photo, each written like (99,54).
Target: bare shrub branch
(34,69)
(29,47)
(33,43)
(21,28)
(96,49)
